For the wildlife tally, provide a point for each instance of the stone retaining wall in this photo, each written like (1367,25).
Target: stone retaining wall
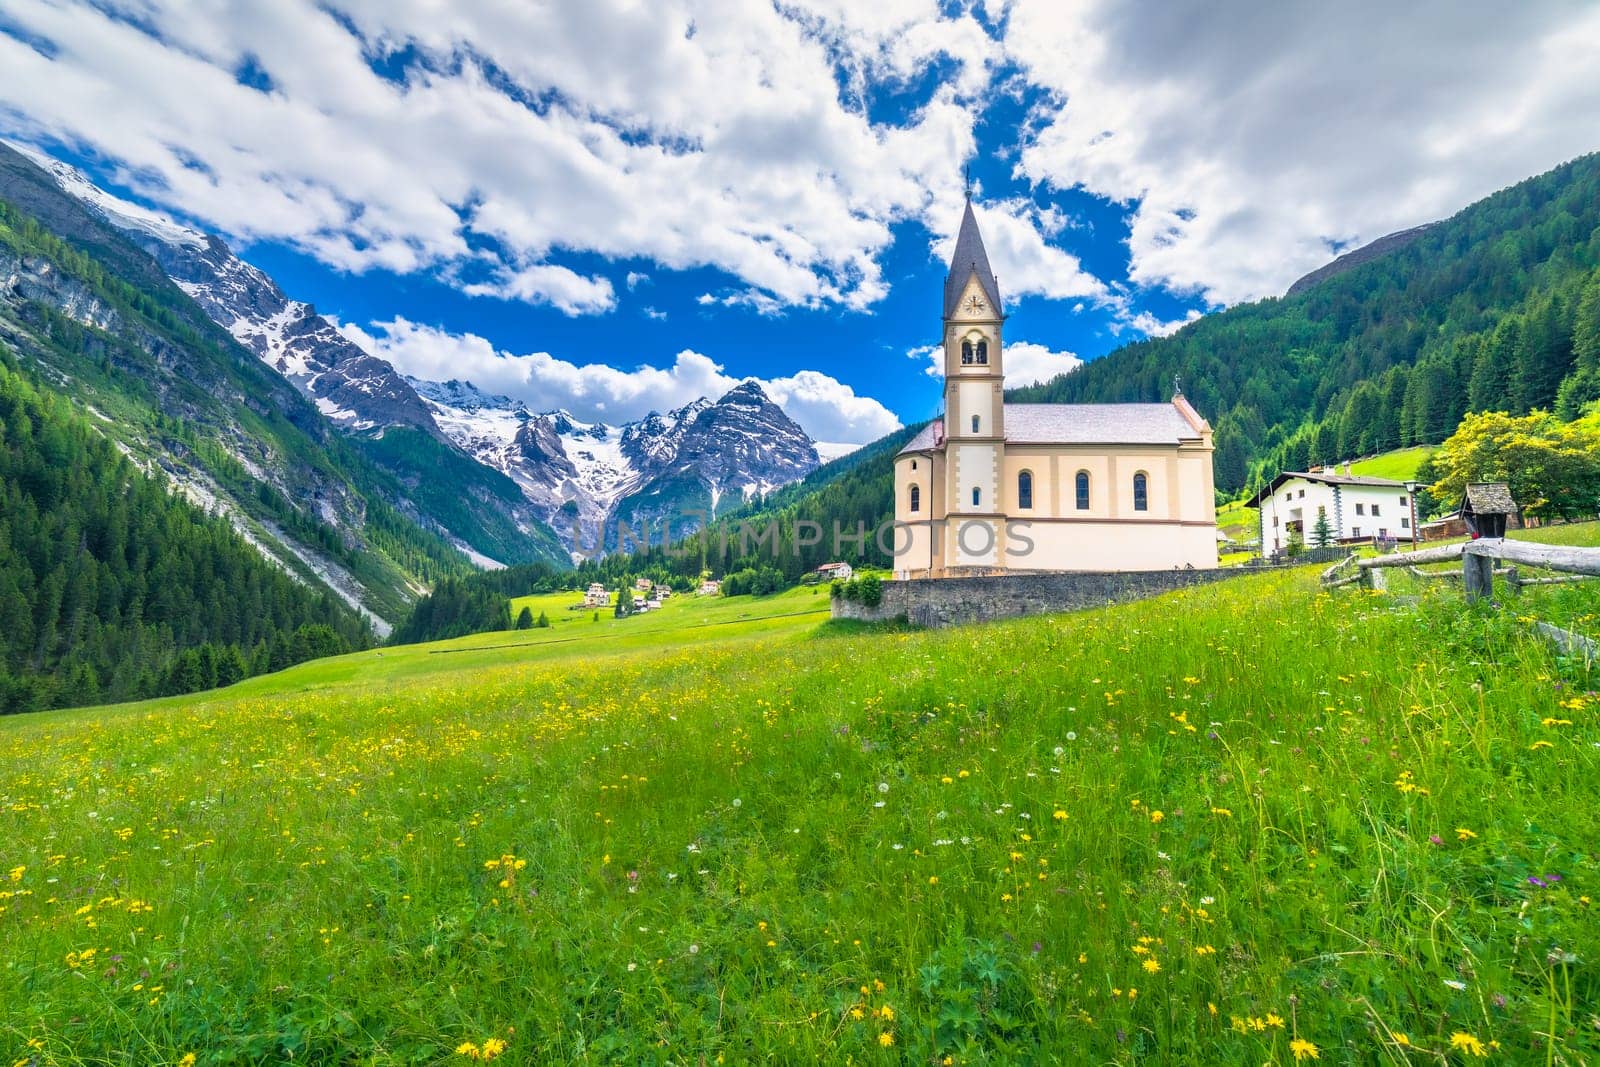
(953,601)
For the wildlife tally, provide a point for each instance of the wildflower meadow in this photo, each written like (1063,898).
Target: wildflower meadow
(1248,823)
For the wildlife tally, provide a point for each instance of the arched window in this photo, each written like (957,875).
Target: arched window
(966,351)
(974,424)
(1141,492)
(1082,487)
(916,498)
(1025,489)
(983,352)
(977,496)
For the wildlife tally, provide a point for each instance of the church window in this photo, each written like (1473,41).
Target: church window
(977,496)
(1141,492)
(1025,489)
(966,352)
(916,498)
(974,424)
(1083,490)
(983,352)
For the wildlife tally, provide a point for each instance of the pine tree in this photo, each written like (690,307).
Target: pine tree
(1322,532)
(525,618)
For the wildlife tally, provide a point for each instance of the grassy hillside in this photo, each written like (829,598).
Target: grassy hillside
(1195,829)
(1399,465)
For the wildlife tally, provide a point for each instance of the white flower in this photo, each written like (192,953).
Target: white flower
(1059,751)
(897,846)
(737,802)
(1072,735)
(633,967)
(883,787)
(1453,984)
(693,949)
(879,804)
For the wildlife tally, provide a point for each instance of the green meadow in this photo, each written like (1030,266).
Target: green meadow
(1248,823)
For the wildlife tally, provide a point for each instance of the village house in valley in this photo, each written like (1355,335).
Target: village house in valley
(1357,508)
(596,596)
(992,487)
(836,572)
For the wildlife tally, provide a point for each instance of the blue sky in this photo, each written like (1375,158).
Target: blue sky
(612,207)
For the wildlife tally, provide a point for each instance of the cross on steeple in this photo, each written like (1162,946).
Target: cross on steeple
(966,174)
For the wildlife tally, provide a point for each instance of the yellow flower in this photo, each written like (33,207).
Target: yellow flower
(1212,1008)
(1152,965)
(886,1038)
(1304,1050)
(1402,1040)
(857,1013)
(468,1049)
(933,879)
(1463,834)
(1156,816)
(493,1047)
(17,872)
(1468,1044)
(886,1013)
(1060,816)
(1275,1020)
(1540,744)
(187,1061)
(1224,812)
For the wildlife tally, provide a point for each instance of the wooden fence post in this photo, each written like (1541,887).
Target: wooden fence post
(1478,574)
(1513,581)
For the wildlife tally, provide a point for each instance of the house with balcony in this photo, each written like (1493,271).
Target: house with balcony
(1358,508)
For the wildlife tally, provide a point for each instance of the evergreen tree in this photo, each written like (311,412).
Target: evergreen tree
(1322,533)
(525,618)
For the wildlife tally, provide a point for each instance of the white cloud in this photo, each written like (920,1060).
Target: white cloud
(502,136)
(828,410)
(1251,142)
(1016,235)
(1026,362)
(1151,326)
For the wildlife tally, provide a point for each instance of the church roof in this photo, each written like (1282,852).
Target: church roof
(1082,424)
(969,258)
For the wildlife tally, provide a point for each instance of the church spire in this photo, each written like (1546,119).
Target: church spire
(969,259)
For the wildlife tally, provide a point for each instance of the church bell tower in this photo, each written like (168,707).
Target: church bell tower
(974,400)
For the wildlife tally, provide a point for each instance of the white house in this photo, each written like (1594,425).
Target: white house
(710,587)
(841,572)
(1358,508)
(596,597)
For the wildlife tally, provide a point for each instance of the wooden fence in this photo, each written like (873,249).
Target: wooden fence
(1478,571)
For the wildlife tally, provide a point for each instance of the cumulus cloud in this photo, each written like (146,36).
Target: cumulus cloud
(485,141)
(1251,144)
(1026,362)
(828,409)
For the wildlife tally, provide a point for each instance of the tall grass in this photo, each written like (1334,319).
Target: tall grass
(1235,825)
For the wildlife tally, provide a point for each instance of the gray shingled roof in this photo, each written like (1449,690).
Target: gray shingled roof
(1489,498)
(1083,424)
(969,256)
(1326,479)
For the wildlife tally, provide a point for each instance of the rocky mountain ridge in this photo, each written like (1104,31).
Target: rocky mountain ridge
(573,476)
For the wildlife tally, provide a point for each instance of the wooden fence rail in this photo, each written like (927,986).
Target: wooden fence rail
(1478,571)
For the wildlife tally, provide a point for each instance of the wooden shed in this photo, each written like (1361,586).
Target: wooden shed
(1487,509)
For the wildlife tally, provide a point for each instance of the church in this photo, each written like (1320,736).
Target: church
(994,488)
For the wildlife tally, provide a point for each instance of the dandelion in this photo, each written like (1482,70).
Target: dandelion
(1468,1044)
(1275,1021)
(1152,965)
(883,787)
(886,1039)
(17,872)
(1156,816)
(886,1013)
(188,1060)
(1304,1050)
(933,879)
(1072,735)
(1463,834)
(1059,816)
